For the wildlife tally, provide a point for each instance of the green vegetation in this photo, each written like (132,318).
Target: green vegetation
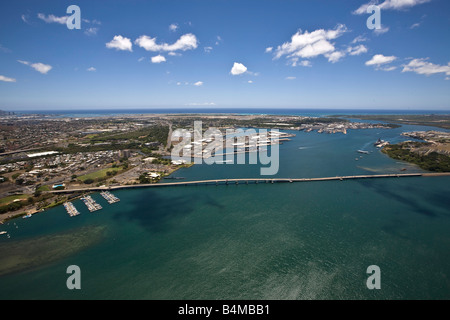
(7,204)
(10,199)
(43,188)
(99,175)
(147,134)
(88,181)
(432,161)
(143,178)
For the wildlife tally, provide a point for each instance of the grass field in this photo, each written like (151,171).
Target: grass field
(9,199)
(97,174)
(43,188)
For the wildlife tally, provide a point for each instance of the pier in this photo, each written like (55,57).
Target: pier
(71,210)
(247,181)
(91,204)
(109,197)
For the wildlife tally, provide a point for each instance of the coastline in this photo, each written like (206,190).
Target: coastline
(32,211)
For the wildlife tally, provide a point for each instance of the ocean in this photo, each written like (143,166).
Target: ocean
(307,240)
(92,112)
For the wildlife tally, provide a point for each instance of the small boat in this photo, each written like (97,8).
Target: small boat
(363,151)
(27,216)
(3,232)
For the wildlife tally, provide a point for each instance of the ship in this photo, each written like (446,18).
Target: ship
(363,151)
(380,143)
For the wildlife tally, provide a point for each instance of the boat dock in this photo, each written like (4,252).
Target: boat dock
(109,197)
(91,204)
(71,210)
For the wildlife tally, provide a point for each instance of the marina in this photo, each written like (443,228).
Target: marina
(109,197)
(91,204)
(71,210)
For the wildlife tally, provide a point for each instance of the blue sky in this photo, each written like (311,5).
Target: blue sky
(217,53)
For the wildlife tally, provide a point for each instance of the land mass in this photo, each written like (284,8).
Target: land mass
(39,153)
(432,153)
(433,120)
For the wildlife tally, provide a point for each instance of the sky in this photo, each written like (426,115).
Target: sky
(225,54)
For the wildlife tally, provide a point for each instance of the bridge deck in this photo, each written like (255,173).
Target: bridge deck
(252,180)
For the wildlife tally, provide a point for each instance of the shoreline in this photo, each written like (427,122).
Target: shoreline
(27,210)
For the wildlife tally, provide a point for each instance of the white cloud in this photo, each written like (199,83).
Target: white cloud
(238,68)
(24,18)
(197,84)
(250,81)
(38,66)
(52,19)
(185,42)
(141,59)
(91,69)
(158,59)
(359,39)
(388,68)
(269,49)
(380,59)
(312,44)
(91,31)
(415,25)
(93,21)
(335,56)
(357,50)
(7,79)
(120,43)
(173,27)
(304,63)
(422,66)
(291,78)
(208,49)
(390,5)
(201,104)
(382,30)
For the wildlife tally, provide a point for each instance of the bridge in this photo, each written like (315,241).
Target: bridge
(249,181)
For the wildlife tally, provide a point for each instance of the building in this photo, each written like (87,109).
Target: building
(125,153)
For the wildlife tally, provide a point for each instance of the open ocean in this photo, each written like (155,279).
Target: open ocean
(311,240)
(281,111)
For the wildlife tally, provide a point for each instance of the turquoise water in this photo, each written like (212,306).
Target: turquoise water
(259,241)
